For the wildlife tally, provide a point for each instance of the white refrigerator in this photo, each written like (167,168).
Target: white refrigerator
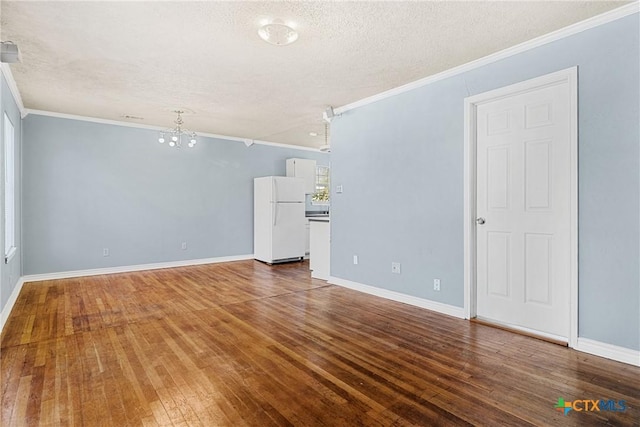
(279,230)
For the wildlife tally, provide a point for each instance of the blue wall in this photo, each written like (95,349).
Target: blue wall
(90,186)
(403,156)
(10,273)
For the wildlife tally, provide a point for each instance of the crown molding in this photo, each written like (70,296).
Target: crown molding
(13,87)
(160,129)
(578,27)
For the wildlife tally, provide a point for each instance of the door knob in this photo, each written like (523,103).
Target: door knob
(479,221)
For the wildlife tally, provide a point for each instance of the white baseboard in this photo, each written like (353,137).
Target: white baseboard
(610,351)
(438,307)
(6,311)
(130,268)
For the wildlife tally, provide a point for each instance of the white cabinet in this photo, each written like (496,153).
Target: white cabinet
(320,249)
(305,169)
(308,235)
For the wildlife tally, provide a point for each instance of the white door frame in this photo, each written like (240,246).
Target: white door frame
(570,76)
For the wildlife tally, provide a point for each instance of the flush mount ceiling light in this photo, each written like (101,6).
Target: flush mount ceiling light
(175,135)
(278,33)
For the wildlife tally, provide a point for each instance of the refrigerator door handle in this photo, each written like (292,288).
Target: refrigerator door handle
(275,191)
(275,201)
(275,213)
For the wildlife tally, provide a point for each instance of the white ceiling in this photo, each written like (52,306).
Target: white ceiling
(109,59)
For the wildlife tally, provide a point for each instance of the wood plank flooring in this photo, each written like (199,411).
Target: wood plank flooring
(246,344)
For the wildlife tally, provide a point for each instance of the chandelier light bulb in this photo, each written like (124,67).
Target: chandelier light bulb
(177,135)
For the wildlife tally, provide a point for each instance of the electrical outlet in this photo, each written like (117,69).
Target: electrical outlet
(355,260)
(184,246)
(436,284)
(395,267)
(339,189)
(105,251)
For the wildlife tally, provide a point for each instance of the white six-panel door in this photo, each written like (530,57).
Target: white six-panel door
(523,205)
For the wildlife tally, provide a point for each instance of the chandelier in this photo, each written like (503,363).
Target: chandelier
(175,135)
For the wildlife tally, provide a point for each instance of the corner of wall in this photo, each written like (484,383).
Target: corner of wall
(6,310)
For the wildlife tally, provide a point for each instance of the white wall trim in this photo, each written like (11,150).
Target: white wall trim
(585,345)
(274,144)
(130,268)
(13,87)
(576,28)
(6,311)
(570,77)
(160,128)
(610,351)
(438,307)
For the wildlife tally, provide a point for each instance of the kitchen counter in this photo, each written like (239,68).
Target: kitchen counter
(312,214)
(319,247)
(316,215)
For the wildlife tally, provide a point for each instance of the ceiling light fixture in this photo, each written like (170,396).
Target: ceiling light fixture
(278,33)
(175,135)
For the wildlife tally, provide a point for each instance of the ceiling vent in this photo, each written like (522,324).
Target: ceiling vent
(9,52)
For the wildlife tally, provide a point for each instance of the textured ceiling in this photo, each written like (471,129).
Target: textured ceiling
(109,59)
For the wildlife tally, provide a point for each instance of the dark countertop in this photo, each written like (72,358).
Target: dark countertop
(324,218)
(316,214)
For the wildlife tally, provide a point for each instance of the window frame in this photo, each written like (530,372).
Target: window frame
(322,186)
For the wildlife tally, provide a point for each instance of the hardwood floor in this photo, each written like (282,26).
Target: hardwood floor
(243,343)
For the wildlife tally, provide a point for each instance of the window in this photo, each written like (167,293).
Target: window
(9,190)
(321,196)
